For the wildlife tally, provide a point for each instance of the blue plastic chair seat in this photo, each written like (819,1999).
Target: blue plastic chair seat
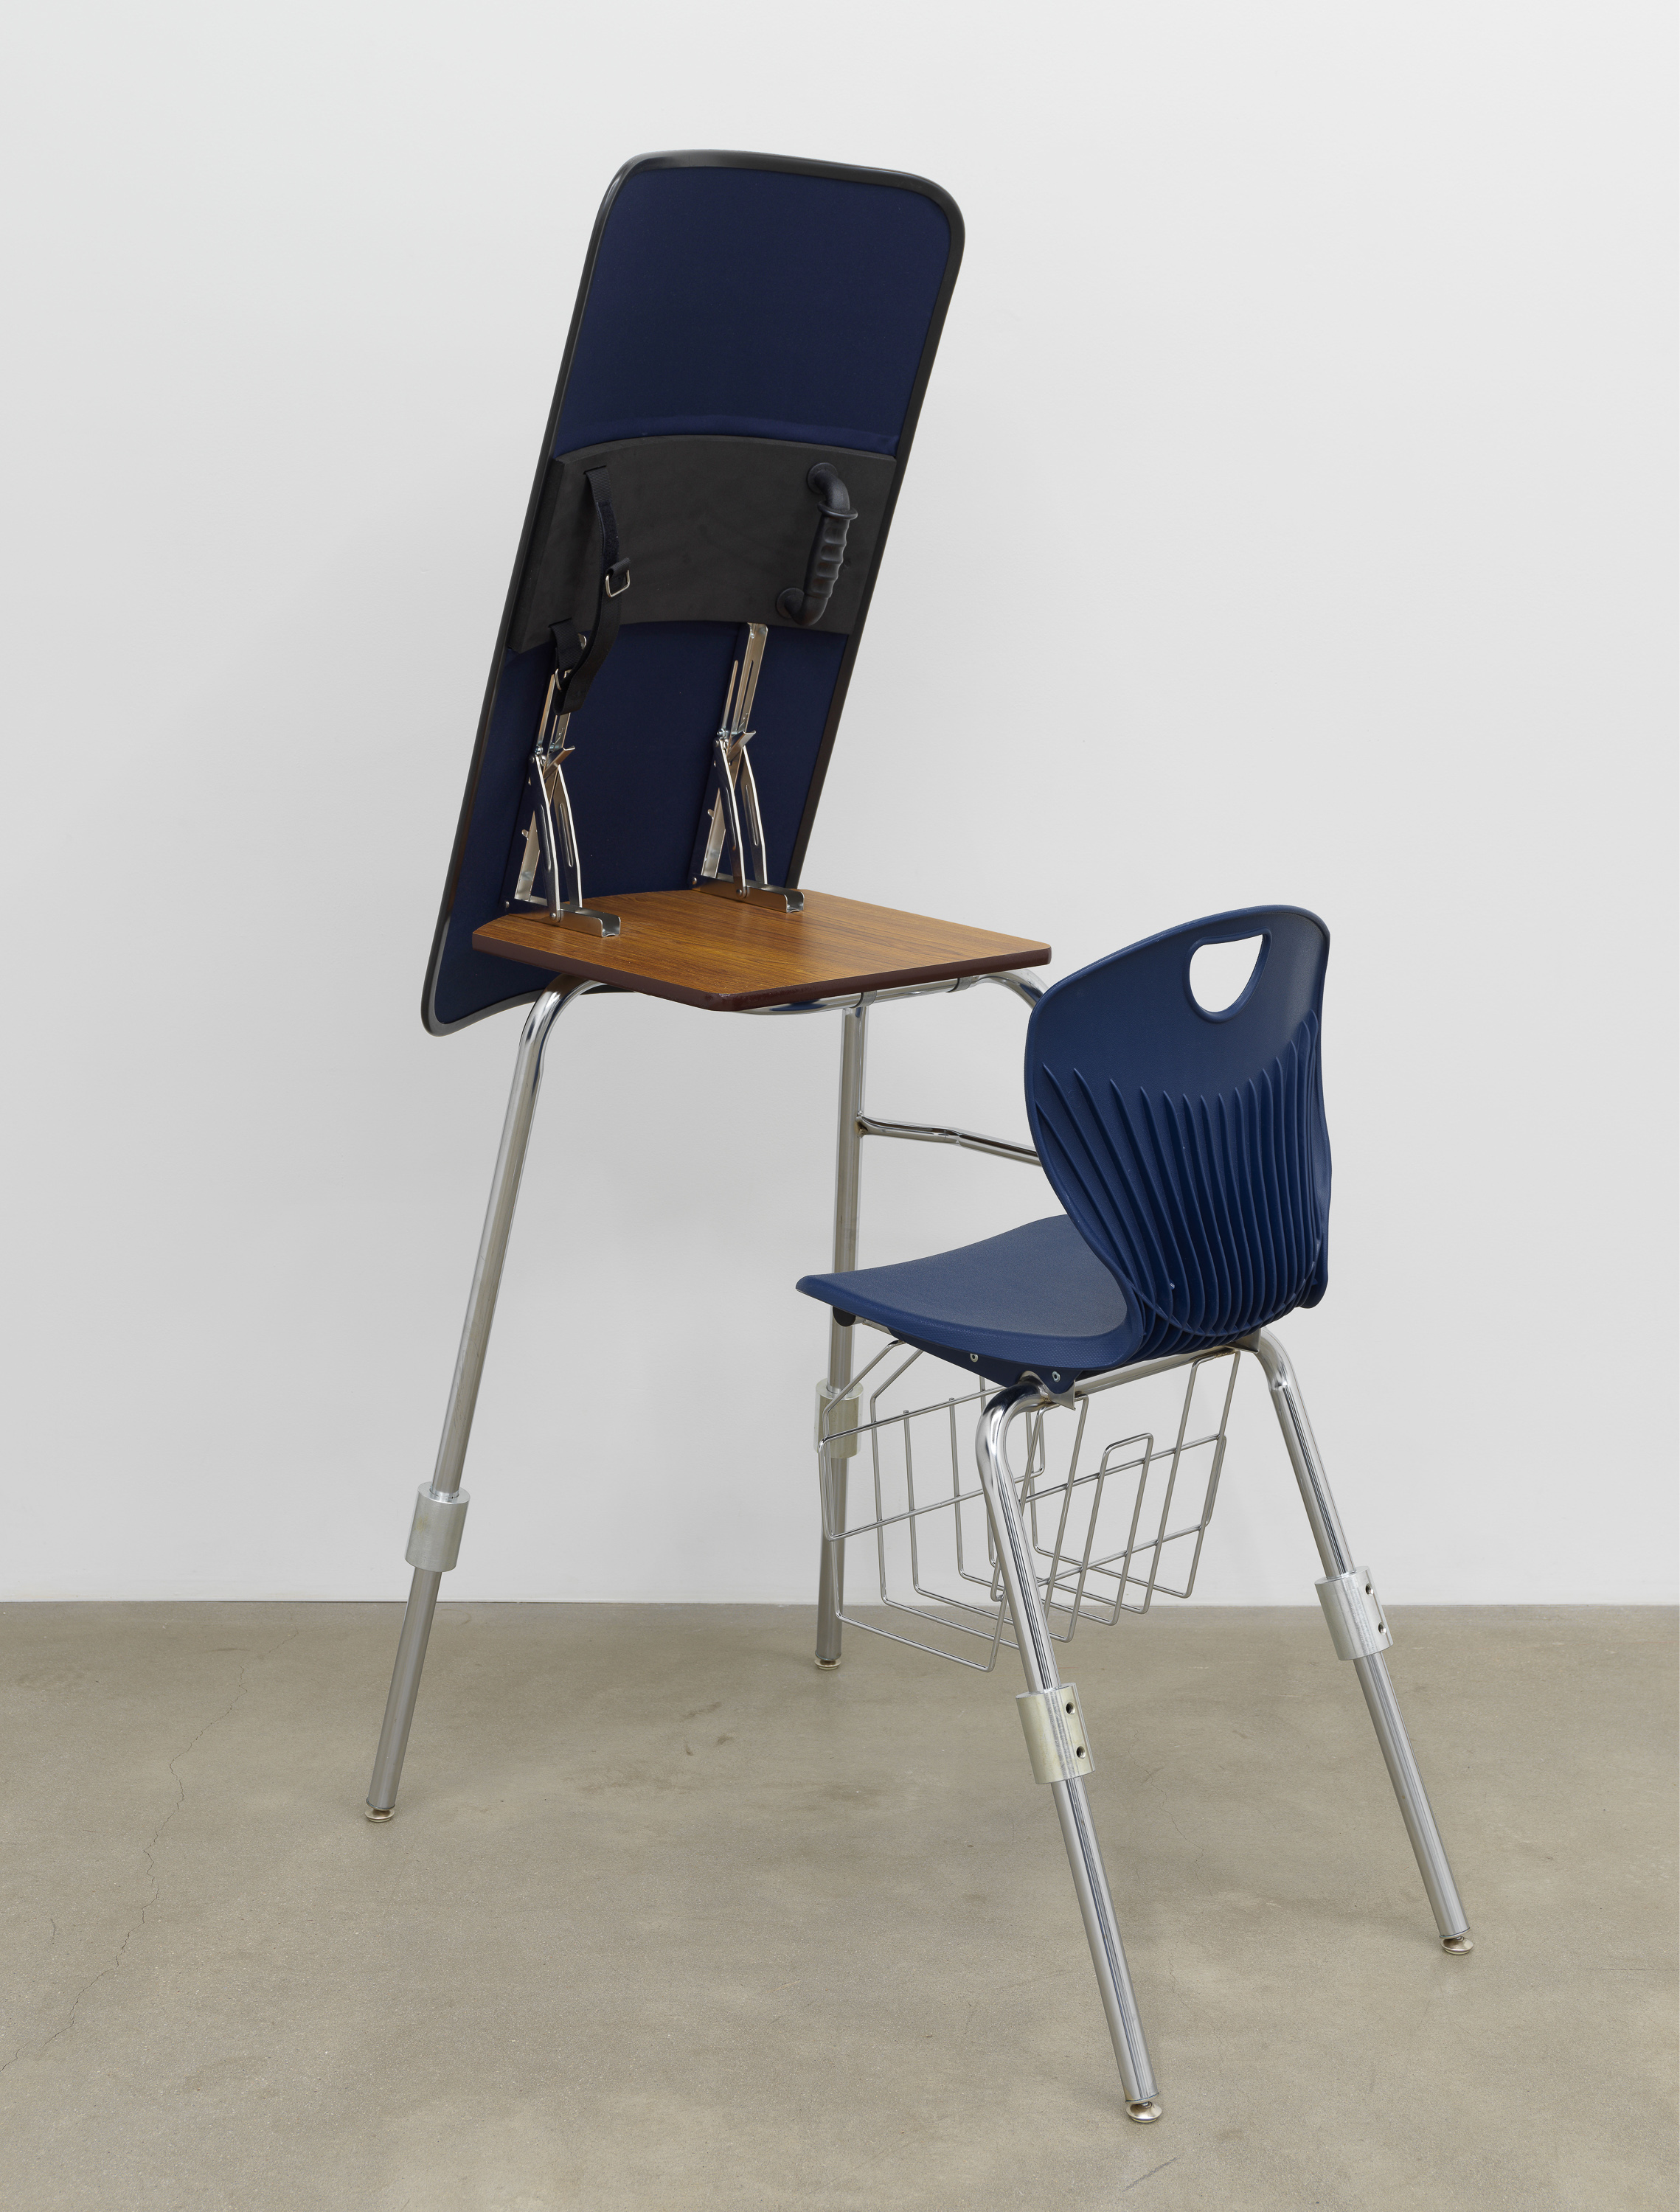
(1188,1147)
(1036,1298)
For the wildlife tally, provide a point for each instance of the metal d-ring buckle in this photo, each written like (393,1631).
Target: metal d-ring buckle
(607,581)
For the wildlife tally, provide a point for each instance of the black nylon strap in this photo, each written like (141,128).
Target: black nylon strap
(579,652)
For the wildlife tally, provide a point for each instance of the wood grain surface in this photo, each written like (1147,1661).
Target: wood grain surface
(704,951)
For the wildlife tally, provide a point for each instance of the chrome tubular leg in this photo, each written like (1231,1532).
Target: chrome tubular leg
(831,1571)
(464,1394)
(1038,1660)
(405,1690)
(1372,1671)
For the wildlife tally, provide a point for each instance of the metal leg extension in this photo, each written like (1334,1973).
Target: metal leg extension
(440,1509)
(1037,1659)
(831,1590)
(1360,1633)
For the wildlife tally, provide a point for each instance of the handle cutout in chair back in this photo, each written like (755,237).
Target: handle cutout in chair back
(1223,971)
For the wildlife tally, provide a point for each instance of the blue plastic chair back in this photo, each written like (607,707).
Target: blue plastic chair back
(1188,1148)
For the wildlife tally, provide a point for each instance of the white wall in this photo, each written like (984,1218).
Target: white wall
(1307,390)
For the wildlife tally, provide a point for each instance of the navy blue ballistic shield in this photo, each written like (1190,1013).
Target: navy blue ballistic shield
(750,332)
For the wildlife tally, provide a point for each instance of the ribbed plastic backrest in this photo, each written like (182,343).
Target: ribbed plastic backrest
(1188,1148)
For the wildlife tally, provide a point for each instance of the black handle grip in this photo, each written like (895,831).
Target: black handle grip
(828,550)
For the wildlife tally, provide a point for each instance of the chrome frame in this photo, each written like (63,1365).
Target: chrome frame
(854,1126)
(848,1170)
(923,1133)
(546,1008)
(567,907)
(1016,1554)
(731,795)
(1032,1578)
(1013,1542)
(1337,1553)
(1073,1812)
(538,1025)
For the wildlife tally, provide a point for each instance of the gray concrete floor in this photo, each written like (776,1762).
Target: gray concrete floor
(666,1919)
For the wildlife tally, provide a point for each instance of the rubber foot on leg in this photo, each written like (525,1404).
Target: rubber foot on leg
(1457,1944)
(1145,2112)
(373,1811)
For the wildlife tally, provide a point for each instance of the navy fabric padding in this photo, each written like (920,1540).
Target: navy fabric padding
(727,299)
(1189,1149)
(734,300)
(638,775)
(1035,1298)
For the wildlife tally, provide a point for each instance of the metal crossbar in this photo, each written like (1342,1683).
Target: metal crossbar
(1099,1525)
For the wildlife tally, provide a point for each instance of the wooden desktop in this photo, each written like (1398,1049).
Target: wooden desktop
(731,956)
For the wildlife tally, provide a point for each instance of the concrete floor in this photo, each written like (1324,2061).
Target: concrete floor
(667,1919)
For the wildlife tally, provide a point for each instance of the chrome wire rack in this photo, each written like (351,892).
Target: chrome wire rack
(1097,1519)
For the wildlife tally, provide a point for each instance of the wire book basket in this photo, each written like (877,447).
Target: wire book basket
(1105,1508)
